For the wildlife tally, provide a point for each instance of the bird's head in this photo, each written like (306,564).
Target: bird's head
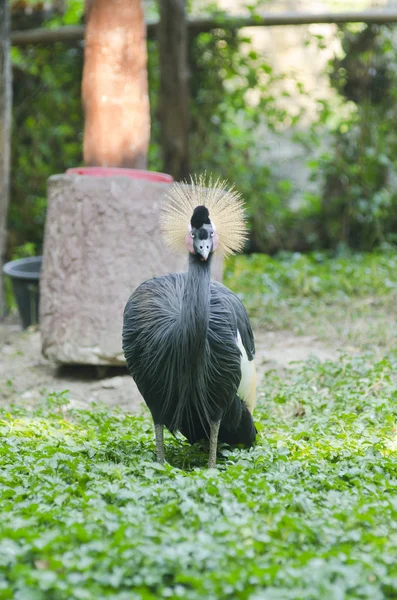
(202,238)
(189,213)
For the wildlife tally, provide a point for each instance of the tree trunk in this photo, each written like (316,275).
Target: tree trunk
(115,88)
(174,92)
(5,132)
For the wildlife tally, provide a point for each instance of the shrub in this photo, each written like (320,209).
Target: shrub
(358,171)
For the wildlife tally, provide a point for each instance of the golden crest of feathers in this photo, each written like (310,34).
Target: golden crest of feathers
(225,206)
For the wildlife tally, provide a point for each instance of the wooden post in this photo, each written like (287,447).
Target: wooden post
(174,93)
(115,88)
(5,132)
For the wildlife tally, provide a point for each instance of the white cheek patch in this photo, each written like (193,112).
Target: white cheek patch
(189,242)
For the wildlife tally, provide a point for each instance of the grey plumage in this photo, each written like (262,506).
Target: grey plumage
(180,340)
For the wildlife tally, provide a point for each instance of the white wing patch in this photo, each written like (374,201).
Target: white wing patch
(247,387)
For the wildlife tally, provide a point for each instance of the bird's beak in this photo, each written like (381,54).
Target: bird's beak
(205,254)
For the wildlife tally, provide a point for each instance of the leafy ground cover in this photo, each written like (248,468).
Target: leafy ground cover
(309,513)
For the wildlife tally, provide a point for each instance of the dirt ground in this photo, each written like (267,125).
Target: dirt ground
(26,376)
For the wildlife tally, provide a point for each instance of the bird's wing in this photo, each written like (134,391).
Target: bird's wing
(243,322)
(246,344)
(247,387)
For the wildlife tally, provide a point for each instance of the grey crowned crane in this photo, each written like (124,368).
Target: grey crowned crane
(187,340)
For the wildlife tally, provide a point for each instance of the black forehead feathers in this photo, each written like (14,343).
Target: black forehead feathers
(200,217)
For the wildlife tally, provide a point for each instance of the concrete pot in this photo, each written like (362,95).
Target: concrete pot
(102,240)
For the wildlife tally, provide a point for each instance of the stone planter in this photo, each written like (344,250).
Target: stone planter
(102,240)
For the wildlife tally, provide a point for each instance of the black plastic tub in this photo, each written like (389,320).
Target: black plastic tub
(25,277)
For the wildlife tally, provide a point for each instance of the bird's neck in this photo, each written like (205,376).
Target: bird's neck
(196,301)
(199,268)
(191,351)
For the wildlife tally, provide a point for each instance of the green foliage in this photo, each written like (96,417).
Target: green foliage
(308,513)
(236,108)
(234,96)
(359,204)
(225,116)
(47,138)
(350,299)
(316,275)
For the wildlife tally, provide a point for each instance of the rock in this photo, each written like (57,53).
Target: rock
(112,383)
(102,240)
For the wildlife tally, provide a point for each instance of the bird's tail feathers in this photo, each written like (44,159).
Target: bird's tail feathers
(237,426)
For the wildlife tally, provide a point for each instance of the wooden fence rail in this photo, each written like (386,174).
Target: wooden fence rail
(198,25)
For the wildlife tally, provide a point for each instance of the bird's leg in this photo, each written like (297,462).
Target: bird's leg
(214,430)
(159,433)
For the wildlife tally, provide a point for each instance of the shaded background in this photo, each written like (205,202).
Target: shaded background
(301,118)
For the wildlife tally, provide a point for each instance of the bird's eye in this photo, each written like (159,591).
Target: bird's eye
(193,235)
(212,234)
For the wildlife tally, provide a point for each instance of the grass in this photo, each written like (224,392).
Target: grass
(347,300)
(310,512)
